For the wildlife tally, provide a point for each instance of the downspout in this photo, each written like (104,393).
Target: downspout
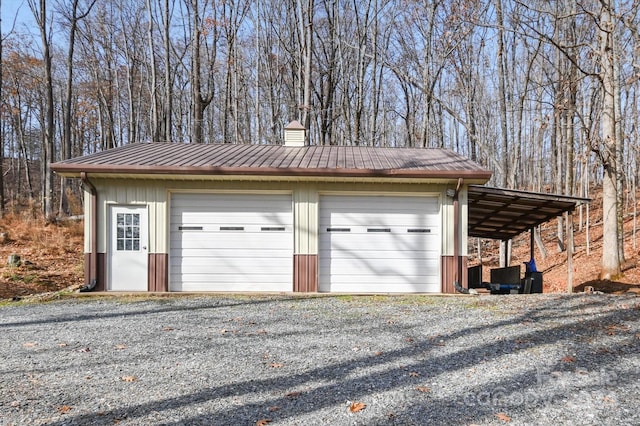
(456,240)
(93,223)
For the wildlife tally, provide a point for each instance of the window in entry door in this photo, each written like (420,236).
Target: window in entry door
(128,228)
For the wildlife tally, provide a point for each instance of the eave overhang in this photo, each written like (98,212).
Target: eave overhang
(247,173)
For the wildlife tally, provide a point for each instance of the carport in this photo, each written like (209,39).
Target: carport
(502,214)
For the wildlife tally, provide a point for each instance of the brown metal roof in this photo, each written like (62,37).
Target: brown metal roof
(493,213)
(275,160)
(502,214)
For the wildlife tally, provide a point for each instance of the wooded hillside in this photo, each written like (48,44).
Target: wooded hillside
(545,94)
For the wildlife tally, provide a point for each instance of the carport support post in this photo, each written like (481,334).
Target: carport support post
(531,243)
(505,244)
(570,253)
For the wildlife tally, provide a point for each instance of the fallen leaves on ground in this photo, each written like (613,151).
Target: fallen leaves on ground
(64,409)
(613,330)
(356,407)
(55,250)
(503,417)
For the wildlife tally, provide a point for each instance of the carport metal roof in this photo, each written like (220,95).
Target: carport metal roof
(502,214)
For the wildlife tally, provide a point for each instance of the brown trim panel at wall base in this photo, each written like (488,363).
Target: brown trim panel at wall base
(158,272)
(87,268)
(448,273)
(305,273)
(100,271)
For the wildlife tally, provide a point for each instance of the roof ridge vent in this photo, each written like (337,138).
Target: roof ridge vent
(294,134)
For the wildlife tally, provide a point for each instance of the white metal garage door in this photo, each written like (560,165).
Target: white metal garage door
(379,244)
(231,242)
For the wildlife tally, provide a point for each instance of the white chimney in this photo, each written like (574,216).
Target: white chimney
(294,134)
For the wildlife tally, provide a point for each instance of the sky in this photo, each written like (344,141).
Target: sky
(17,10)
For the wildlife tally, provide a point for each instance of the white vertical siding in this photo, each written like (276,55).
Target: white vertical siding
(306,219)
(155,194)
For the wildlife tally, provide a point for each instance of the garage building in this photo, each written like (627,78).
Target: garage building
(274,218)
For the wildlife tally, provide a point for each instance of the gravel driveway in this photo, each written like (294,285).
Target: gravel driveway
(339,360)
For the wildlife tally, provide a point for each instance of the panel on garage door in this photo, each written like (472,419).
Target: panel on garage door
(231,242)
(379,244)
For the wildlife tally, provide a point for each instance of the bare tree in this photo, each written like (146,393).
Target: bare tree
(610,253)
(502,95)
(39,10)
(2,200)
(168,76)
(73,16)
(305,28)
(155,119)
(202,93)
(544,106)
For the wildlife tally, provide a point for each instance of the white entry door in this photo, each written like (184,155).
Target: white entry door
(128,254)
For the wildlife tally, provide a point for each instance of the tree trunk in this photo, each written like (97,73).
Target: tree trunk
(503,97)
(306,21)
(168,80)
(620,175)
(539,243)
(197,109)
(610,254)
(67,130)
(2,200)
(47,156)
(154,114)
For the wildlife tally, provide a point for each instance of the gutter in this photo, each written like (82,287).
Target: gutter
(456,240)
(93,223)
(71,170)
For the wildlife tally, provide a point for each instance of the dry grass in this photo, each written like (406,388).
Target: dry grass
(51,255)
